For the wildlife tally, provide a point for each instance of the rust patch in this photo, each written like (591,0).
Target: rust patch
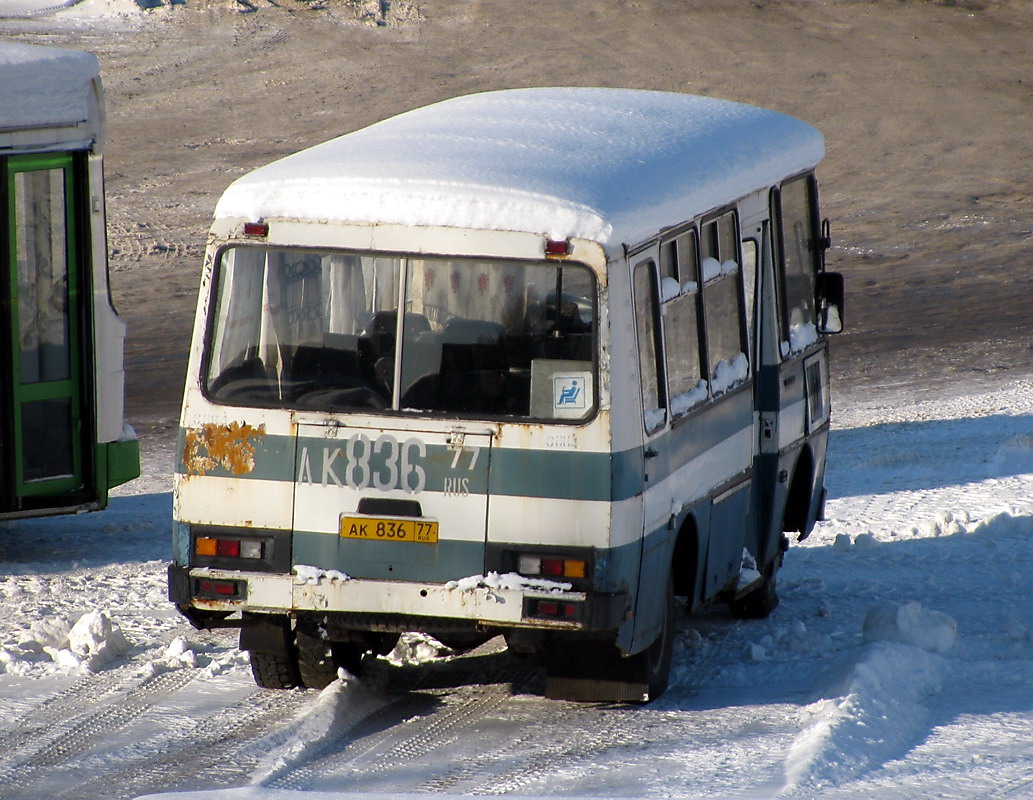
(229,446)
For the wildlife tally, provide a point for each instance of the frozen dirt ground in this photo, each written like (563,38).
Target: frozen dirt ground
(925,107)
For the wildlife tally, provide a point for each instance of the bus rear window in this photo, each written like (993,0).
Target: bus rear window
(306,329)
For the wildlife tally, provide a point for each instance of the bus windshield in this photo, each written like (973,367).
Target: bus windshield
(313,329)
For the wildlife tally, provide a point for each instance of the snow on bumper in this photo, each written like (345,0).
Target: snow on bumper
(494,600)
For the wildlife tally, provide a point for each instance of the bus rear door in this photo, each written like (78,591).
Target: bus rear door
(392,504)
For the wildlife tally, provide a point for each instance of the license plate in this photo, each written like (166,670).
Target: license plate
(389,529)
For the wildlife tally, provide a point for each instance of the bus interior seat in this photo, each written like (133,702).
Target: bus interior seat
(384,324)
(473,366)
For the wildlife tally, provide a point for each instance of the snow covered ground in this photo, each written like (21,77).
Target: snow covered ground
(899,665)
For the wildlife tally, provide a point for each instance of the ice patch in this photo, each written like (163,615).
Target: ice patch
(683,402)
(801,337)
(417,648)
(748,572)
(654,418)
(713,269)
(669,289)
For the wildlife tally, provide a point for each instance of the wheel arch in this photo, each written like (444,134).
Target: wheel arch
(687,560)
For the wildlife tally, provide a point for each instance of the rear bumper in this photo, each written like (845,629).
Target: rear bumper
(490,603)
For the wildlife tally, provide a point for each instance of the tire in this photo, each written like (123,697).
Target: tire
(272,671)
(759,603)
(316,664)
(654,663)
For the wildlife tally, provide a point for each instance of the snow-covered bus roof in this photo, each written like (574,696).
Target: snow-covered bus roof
(49,98)
(610,165)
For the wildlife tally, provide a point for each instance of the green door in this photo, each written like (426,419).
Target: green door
(43,451)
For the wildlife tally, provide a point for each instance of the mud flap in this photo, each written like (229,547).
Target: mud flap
(267,633)
(613,677)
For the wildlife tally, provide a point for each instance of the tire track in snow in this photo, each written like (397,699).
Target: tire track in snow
(472,773)
(38,724)
(220,751)
(401,731)
(62,740)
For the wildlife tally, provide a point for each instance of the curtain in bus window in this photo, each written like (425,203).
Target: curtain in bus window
(478,332)
(799,245)
(296,276)
(42,276)
(344,294)
(239,308)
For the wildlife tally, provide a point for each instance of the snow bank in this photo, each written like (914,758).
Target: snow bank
(612,165)
(879,713)
(877,717)
(339,707)
(90,644)
(910,624)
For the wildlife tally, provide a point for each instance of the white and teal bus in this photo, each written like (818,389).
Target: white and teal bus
(63,440)
(533,362)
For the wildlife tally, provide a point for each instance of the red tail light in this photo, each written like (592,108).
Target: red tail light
(557,610)
(556,248)
(228,548)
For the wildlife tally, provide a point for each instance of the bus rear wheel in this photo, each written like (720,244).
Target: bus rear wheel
(320,658)
(316,663)
(275,671)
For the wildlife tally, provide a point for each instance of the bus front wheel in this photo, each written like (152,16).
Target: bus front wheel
(760,602)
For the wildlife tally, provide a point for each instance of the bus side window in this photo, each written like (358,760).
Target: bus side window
(722,304)
(687,385)
(646,314)
(750,251)
(799,251)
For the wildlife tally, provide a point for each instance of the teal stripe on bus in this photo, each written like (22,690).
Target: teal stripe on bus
(557,474)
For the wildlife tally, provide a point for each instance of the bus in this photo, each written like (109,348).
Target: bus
(63,440)
(547,363)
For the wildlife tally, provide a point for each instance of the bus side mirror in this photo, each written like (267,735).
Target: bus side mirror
(830,302)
